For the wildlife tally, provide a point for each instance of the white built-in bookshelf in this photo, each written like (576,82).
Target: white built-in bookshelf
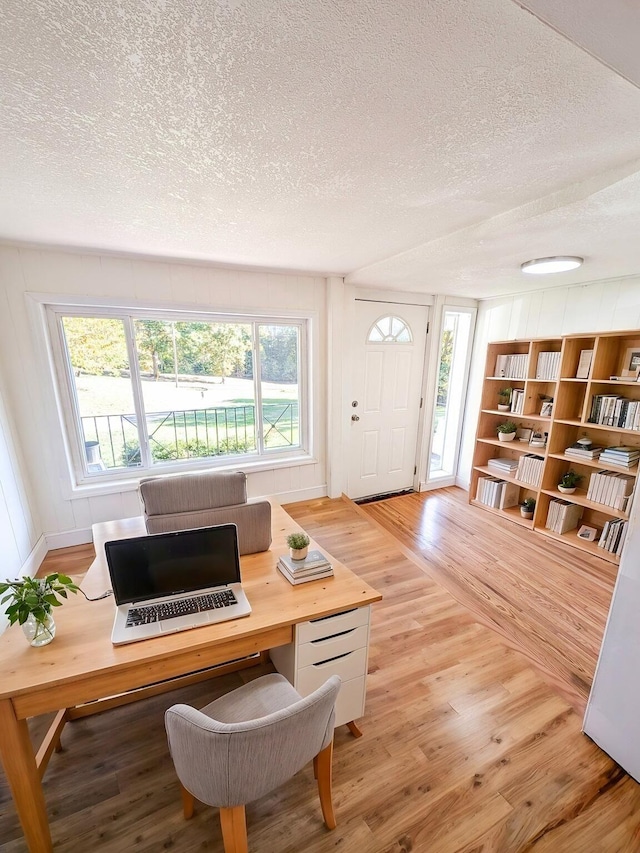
(562,390)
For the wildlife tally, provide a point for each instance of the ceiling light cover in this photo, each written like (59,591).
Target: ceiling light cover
(544,266)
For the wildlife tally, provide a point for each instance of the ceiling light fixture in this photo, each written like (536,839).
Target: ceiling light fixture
(544,266)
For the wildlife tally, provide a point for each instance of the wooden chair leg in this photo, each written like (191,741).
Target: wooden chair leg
(354,729)
(323,763)
(187,802)
(234,829)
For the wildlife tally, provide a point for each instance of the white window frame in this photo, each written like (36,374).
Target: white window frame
(70,413)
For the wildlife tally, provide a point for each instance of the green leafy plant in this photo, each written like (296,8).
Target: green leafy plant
(35,596)
(507,427)
(570,480)
(504,396)
(298,541)
(528,504)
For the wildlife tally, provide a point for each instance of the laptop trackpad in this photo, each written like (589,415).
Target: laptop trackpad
(180,623)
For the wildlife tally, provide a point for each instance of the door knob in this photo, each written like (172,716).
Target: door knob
(355,418)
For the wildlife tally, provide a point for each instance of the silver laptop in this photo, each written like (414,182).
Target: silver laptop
(171,582)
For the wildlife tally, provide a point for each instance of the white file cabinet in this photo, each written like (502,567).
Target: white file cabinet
(331,645)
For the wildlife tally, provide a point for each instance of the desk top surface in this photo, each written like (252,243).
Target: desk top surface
(82,648)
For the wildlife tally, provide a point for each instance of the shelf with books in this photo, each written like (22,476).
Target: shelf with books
(580,497)
(571,538)
(512,513)
(574,371)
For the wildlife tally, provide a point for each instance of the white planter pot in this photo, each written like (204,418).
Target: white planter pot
(299,553)
(565,490)
(506,436)
(526,514)
(504,407)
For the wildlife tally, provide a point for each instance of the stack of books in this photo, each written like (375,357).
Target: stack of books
(580,451)
(504,465)
(314,566)
(517,401)
(563,516)
(623,456)
(613,533)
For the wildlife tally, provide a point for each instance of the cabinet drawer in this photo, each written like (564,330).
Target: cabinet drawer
(331,647)
(347,666)
(350,701)
(328,625)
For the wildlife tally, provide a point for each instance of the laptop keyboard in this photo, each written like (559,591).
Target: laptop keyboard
(182,607)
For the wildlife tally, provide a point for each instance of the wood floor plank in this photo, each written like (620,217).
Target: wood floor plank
(469,746)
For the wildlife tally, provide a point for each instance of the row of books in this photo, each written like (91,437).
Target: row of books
(530,469)
(517,401)
(613,534)
(563,516)
(314,567)
(512,365)
(496,493)
(548,367)
(611,489)
(614,410)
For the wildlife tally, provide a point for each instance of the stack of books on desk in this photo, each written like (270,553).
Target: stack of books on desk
(314,566)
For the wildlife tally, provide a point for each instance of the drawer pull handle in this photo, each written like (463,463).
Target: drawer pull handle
(333,636)
(330,660)
(333,615)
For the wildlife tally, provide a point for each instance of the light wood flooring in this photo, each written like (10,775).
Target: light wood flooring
(471,744)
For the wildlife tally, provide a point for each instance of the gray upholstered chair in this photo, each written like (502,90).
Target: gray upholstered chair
(248,742)
(204,499)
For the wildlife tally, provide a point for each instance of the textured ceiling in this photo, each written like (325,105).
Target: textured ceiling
(410,145)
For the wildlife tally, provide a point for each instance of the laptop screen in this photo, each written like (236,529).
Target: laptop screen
(171,563)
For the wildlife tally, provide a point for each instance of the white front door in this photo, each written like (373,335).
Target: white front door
(389,347)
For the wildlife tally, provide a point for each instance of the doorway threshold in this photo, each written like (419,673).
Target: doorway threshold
(383,497)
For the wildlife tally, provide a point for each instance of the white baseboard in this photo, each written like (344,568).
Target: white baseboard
(300,495)
(69,538)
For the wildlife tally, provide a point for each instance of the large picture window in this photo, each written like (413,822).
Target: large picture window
(150,392)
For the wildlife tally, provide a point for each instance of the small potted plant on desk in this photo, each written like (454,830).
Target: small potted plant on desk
(527,507)
(569,481)
(31,600)
(507,431)
(299,545)
(504,399)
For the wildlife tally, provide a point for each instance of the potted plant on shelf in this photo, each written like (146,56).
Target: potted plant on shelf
(504,399)
(507,431)
(30,602)
(527,507)
(569,481)
(299,545)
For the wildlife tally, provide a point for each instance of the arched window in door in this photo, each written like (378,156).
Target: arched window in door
(390,330)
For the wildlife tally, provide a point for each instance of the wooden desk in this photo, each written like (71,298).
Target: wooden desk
(81,664)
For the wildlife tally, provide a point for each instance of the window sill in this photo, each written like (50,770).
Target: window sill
(110,486)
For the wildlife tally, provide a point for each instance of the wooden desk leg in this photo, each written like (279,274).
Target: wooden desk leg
(22,775)
(354,729)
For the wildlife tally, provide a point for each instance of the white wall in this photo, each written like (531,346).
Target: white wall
(67,513)
(600,307)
